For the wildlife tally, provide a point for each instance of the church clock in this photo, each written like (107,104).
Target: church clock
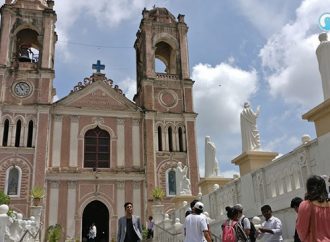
(22,89)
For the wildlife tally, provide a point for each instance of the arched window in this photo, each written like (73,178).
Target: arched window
(160,144)
(18,133)
(30,134)
(165,58)
(97,148)
(180,133)
(13,182)
(5,133)
(170,139)
(28,46)
(171,183)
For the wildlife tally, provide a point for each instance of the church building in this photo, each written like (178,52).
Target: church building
(94,149)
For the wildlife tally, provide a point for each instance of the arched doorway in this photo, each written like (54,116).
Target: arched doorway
(96,212)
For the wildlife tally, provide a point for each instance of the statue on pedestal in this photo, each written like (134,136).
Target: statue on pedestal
(186,190)
(182,179)
(250,133)
(211,162)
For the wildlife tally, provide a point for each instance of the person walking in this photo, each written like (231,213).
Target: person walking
(151,225)
(190,211)
(313,222)
(244,221)
(231,228)
(92,233)
(129,226)
(195,226)
(295,202)
(271,230)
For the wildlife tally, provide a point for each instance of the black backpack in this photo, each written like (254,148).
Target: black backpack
(253,231)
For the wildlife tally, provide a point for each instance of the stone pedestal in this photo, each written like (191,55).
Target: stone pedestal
(35,211)
(3,221)
(207,183)
(252,160)
(320,115)
(178,200)
(157,213)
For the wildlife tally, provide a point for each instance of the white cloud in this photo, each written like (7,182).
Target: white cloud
(266,16)
(55,98)
(219,93)
(107,13)
(229,173)
(289,57)
(129,87)
(275,143)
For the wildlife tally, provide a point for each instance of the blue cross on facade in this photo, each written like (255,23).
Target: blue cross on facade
(98,66)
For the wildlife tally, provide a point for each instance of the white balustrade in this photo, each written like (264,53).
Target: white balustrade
(275,184)
(14,228)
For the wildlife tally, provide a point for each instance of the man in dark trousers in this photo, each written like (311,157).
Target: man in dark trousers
(129,226)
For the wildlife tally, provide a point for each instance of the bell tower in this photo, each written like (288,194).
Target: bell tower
(27,46)
(166,97)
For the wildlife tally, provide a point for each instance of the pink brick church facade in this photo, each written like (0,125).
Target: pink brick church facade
(93,149)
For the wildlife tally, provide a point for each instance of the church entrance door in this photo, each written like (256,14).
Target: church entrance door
(96,212)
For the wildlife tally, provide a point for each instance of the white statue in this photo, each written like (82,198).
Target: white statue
(323,57)
(180,172)
(185,186)
(211,162)
(250,134)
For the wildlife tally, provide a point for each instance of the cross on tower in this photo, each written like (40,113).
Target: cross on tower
(98,66)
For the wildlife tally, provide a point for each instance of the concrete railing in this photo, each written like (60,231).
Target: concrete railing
(275,184)
(14,228)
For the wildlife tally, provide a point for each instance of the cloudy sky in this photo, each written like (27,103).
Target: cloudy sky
(244,50)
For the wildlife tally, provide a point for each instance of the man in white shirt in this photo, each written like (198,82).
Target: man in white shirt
(271,230)
(92,233)
(195,226)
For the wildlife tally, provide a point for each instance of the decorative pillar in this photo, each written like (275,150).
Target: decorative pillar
(74,129)
(121,143)
(136,143)
(70,217)
(53,203)
(137,198)
(120,198)
(57,135)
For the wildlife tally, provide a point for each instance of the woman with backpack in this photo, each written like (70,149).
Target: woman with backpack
(232,230)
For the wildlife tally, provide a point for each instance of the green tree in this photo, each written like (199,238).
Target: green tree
(54,233)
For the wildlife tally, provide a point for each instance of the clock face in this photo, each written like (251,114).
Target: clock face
(22,89)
